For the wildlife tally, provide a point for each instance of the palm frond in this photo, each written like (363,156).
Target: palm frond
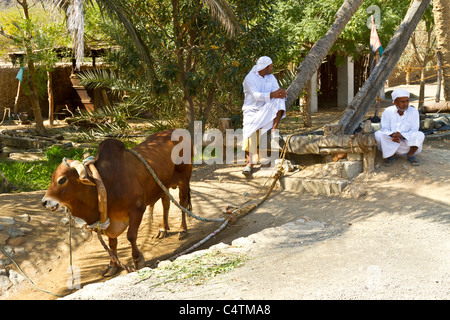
(75,24)
(221,10)
(117,12)
(286,78)
(59,4)
(101,78)
(107,121)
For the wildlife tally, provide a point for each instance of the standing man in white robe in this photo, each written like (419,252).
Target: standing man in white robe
(264,107)
(399,134)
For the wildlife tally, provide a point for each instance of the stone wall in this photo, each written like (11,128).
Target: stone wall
(62,90)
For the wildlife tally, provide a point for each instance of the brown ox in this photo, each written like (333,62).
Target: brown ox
(129,186)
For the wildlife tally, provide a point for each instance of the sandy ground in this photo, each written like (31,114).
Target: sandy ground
(393,223)
(391,242)
(391,226)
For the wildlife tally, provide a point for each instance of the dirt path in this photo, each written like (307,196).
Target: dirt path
(388,238)
(386,198)
(47,247)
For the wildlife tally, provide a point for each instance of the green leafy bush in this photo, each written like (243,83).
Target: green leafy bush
(36,175)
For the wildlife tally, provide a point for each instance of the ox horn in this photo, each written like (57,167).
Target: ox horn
(80,168)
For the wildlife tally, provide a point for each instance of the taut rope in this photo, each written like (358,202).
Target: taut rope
(234,214)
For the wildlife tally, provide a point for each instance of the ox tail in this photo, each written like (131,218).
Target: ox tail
(189,205)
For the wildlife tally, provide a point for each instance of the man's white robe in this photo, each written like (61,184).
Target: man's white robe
(407,124)
(259,109)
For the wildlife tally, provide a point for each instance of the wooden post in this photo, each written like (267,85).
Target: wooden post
(51,106)
(408,75)
(439,75)
(369,161)
(105,98)
(224,124)
(16,101)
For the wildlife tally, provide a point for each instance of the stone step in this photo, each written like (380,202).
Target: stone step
(23,154)
(346,170)
(313,185)
(24,142)
(298,182)
(321,179)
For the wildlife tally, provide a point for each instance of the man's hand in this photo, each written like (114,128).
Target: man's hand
(280,94)
(397,137)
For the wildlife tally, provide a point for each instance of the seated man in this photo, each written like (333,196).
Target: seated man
(399,134)
(264,106)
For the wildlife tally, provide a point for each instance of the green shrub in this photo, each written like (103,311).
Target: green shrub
(36,175)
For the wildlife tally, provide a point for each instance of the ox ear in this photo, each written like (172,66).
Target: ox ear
(80,168)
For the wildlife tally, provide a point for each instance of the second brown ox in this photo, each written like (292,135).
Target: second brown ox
(129,185)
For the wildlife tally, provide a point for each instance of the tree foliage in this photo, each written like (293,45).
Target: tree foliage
(46,32)
(193,55)
(195,60)
(306,21)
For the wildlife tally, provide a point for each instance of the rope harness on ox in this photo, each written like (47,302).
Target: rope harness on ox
(101,225)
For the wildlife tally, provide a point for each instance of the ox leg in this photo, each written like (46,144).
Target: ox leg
(185,202)
(113,268)
(149,212)
(163,231)
(132,233)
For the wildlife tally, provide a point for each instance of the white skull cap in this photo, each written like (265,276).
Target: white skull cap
(262,63)
(399,93)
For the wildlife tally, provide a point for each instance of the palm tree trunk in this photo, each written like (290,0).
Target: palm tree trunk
(183,65)
(441,10)
(361,103)
(320,50)
(306,109)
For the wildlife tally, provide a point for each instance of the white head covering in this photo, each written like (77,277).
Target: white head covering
(399,93)
(261,64)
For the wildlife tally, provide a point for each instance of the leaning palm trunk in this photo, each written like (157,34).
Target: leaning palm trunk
(320,50)
(441,10)
(361,103)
